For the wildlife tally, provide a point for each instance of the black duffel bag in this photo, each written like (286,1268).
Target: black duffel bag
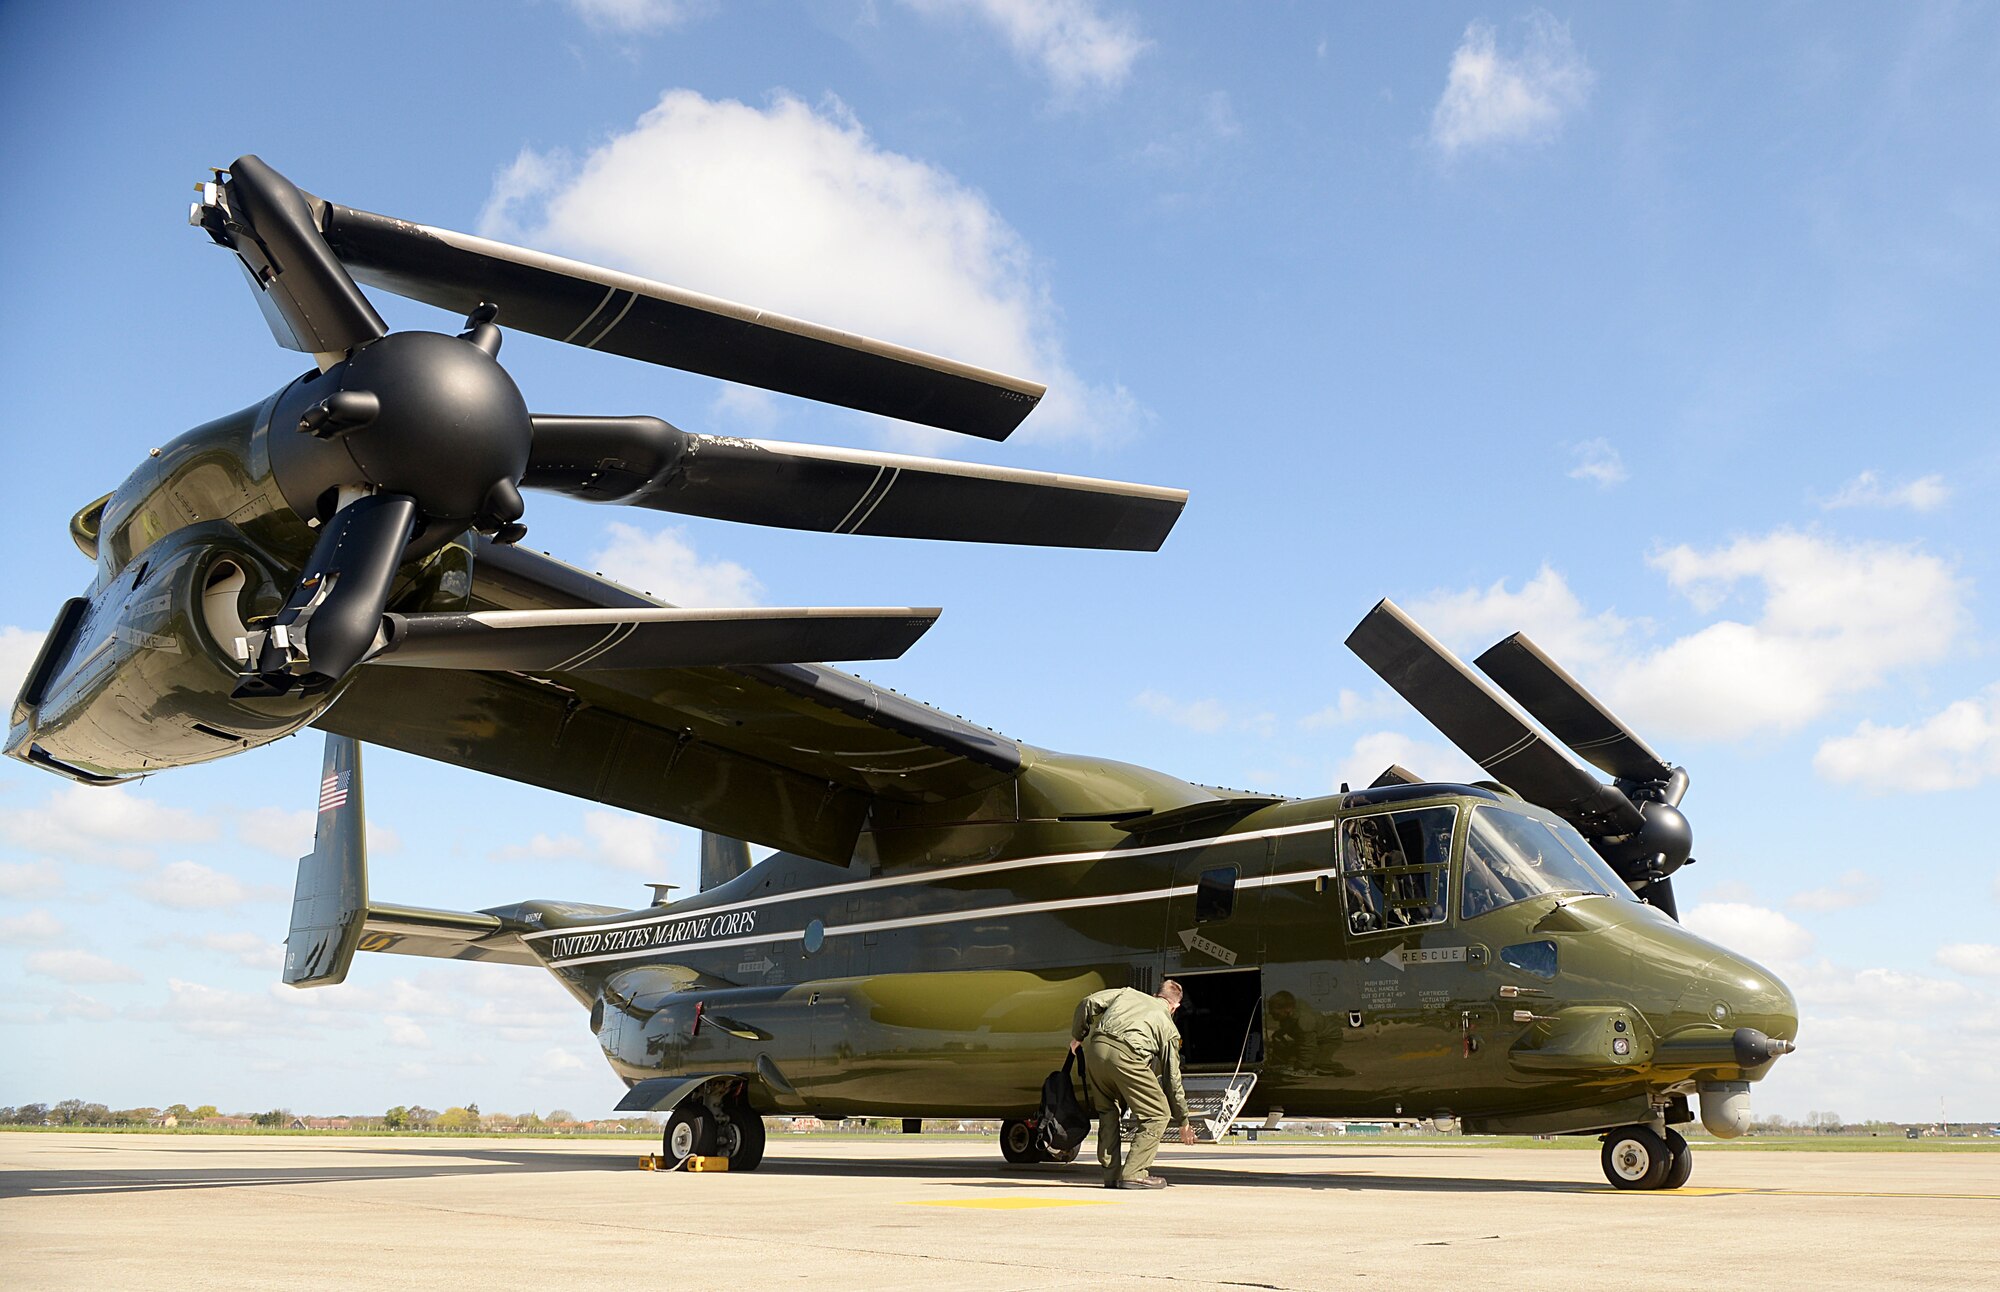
(1063,1124)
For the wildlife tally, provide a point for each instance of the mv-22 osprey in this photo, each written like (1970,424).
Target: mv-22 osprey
(345,554)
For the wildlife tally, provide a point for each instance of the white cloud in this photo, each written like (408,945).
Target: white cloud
(18,648)
(404,1033)
(201,1010)
(247,949)
(1766,936)
(1215,123)
(75,966)
(29,926)
(627,842)
(1544,608)
(633,17)
(1833,619)
(620,840)
(1352,706)
(1373,753)
(1598,461)
(191,886)
(1956,748)
(1869,489)
(665,564)
(746,408)
(1854,888)
(1494,98)
(797,210)
(1978,959)
(1197,715)
(29,879)
(102,823)
(286,832)
(1074,42)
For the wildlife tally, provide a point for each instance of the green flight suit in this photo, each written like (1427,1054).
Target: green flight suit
(1132,1052)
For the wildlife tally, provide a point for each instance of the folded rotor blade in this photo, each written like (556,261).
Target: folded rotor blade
(560,641)
(644,462)
(1474,716)
(602,309)
(1571,714)
(307,296)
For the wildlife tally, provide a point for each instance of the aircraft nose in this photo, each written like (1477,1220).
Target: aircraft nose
(1743,993)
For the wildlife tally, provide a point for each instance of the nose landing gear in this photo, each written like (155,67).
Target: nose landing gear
(1637,1157)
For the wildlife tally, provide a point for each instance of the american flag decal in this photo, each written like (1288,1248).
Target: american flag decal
(333,791)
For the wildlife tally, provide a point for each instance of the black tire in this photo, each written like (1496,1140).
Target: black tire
(689,1133)
(741,1138)
(1017,1142)
(1635,1158)
(1682,1165)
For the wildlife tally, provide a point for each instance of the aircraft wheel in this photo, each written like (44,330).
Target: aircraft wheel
(689,1133)
(741,1139)
(1683,1163)
(1635,1158)
(1017,1142)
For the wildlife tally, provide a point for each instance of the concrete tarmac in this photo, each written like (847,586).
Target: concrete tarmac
(163,1211)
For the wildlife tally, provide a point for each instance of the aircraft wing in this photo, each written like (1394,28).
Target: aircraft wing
(786,755)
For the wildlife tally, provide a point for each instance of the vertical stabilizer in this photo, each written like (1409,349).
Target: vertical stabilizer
(722,859)
(330,903)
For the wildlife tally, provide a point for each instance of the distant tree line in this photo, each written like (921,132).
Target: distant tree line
(456,1119)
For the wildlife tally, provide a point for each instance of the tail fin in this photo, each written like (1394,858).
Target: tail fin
(330,902)
(332,916)
(722,859)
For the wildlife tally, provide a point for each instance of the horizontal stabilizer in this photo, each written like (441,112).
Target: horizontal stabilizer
(445,935)
(602,309)
(555,641)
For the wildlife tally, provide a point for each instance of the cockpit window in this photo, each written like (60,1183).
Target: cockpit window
(1510,857)
(1394,867)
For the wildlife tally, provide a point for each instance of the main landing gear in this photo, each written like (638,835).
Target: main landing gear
(1638,1157)
(710,1125)
(1021,1146)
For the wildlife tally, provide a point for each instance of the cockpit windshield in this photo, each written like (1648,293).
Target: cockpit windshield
(1510,858)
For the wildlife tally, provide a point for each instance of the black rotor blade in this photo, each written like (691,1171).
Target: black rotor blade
(645,462)
(560,641)
(332,619)
(602,309)
(268,222)
(1572,715)
(1475,717)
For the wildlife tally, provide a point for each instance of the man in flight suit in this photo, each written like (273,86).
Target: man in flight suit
(1132,1052)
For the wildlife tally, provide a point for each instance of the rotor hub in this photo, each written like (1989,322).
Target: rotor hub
(421,414)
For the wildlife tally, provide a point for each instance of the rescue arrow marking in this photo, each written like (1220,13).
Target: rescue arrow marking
(1196,942)
(1397,957)
(756,966)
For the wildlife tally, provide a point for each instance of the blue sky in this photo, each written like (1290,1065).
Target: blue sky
(1666,336)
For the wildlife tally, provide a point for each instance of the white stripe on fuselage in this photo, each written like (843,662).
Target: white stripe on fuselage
(683,910)
(940,917)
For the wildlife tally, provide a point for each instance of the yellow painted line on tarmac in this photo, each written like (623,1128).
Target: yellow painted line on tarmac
(1791,1193)
(1014,1204)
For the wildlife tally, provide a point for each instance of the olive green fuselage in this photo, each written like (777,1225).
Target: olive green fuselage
(936,975)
